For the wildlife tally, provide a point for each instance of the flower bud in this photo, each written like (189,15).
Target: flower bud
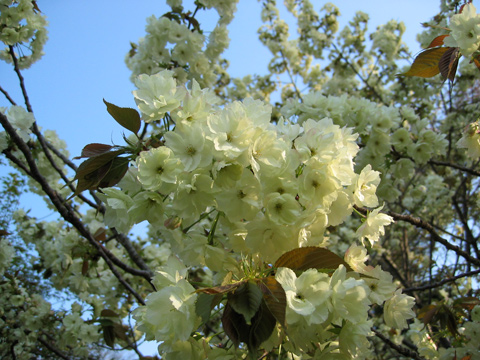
(173,222)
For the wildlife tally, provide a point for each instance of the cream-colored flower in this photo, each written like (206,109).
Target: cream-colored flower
(398,309)
(465,30)
(373,226)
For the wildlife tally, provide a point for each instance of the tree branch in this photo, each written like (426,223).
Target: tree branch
(455,166)
(53,349)
(443,282)
(67,213)
(16,161)
(4,92)
(400,349)
(428,227)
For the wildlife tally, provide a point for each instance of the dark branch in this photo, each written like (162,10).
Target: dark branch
(455,166)
(443,282)
(400,349)
(428,227)
(66,212)
(52,349)
(4,92)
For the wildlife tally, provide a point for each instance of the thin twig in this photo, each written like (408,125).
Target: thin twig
(443,282)
(53,349)
(428,227)
(455,166)
(66,160)
(299,94)
(374,91)
(17,162)
(16,68)
(400,349)
(4,92)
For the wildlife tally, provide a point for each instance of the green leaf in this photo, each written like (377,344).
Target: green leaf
(310,258)
(203,306)
(246,300)
(426,63)
(126,117)
(274,297)
(336,329)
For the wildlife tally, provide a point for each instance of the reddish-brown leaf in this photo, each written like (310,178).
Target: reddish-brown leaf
(126,117)
(274,297)
(246,300)
(468,302)
(310,258)
(476,60)
(108,313)
(448,63)
(115,173)
(109,335)
(262,327)
(425,64)
(427,313)
(220,289)
(447,319)
(94,150)
(236,328)
(100,234)
(120,331)
(85,267)
(4,232)
(94,163)
(233,326)
(438,41)
(35,7)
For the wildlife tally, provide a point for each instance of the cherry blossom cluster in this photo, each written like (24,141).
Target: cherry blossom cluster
(23,26)
(465,30)
(225,183)
(171,43)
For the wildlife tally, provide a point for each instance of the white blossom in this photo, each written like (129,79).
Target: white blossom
(465,30)
(398,309)
(373,226)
